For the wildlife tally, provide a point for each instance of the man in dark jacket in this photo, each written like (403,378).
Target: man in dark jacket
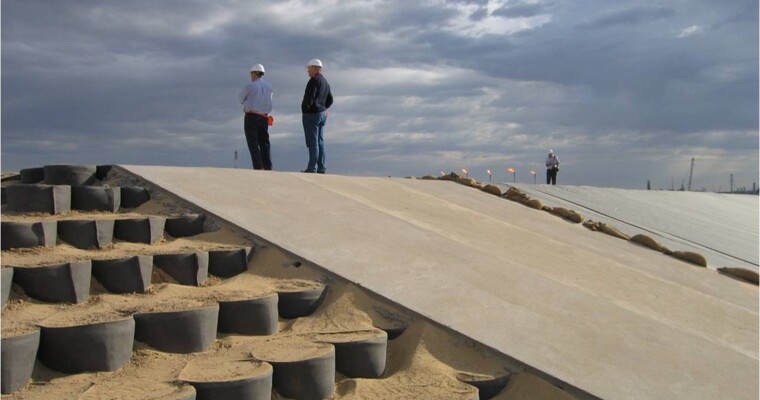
(316,100)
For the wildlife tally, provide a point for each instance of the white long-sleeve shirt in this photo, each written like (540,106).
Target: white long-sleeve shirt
(256,96)
(552,161)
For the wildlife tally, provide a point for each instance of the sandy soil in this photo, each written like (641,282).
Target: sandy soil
(223,369)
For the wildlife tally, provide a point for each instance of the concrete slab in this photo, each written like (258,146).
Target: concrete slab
(616,320)
(723,227)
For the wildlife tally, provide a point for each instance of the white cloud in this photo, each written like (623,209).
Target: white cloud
(690,31)
(491,24)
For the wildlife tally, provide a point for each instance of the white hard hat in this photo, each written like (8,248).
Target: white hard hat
(315,62)
(257,68)
(551,151)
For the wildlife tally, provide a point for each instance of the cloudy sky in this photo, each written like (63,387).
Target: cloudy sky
(624,91)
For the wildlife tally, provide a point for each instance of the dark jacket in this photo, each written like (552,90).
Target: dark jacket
(317,97)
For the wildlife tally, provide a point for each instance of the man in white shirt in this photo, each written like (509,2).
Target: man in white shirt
(256,98)
(552,166)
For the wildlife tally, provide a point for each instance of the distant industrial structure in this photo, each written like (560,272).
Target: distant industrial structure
(739,190)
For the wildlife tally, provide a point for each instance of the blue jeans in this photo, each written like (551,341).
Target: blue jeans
(313,130)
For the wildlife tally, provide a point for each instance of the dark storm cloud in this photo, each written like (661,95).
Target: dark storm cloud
(420,86)
(630,16)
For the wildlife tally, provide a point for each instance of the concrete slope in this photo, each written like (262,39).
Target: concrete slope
(614,319)
(723,227)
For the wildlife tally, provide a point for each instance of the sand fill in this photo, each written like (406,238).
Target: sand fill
(237,295)
(22,315)
(150,207)
(272,262)
(569,215)
(526,386)
(293,285)
(93,311)
(287,349)
(350,336)
(37,256)
(220,369)
(492,189)
(454,354)
(148,375)
(346,309)
(241,287)
(164,297)
(18,216)
(534,203)
(648,241)
(137,389)
(425,363)
(221,239)
(63,252)
(604,228)
(741,274)
(467,181)
(691,257)
(250,286)
(47,384)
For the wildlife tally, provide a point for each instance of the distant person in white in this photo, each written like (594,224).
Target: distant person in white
(256,98)
(552,166)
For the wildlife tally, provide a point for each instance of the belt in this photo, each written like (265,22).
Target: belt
(257,113)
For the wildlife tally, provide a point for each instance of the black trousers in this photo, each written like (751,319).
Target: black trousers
(257,135)
(551,176)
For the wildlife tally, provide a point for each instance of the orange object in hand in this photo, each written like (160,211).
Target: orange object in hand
(270,120)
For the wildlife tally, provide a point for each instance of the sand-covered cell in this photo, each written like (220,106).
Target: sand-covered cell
(220,369)
(294,285)
(66,283)
(691,257)
(287,349)
(349,336)
(650,242)
(149,374)
(249,311)
(22,314)
(339,313)
(348,308)
(741,274)
(63,252)
(165,297)
(17,360)
(138,389)
(425,362)
(302,369)
(95,310)
(241,287)
(360,354)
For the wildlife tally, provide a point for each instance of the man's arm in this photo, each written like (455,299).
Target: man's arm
(244,93)
(309,95)
(329,100)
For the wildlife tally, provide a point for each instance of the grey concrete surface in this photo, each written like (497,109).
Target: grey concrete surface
(614,319)
(723,227)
